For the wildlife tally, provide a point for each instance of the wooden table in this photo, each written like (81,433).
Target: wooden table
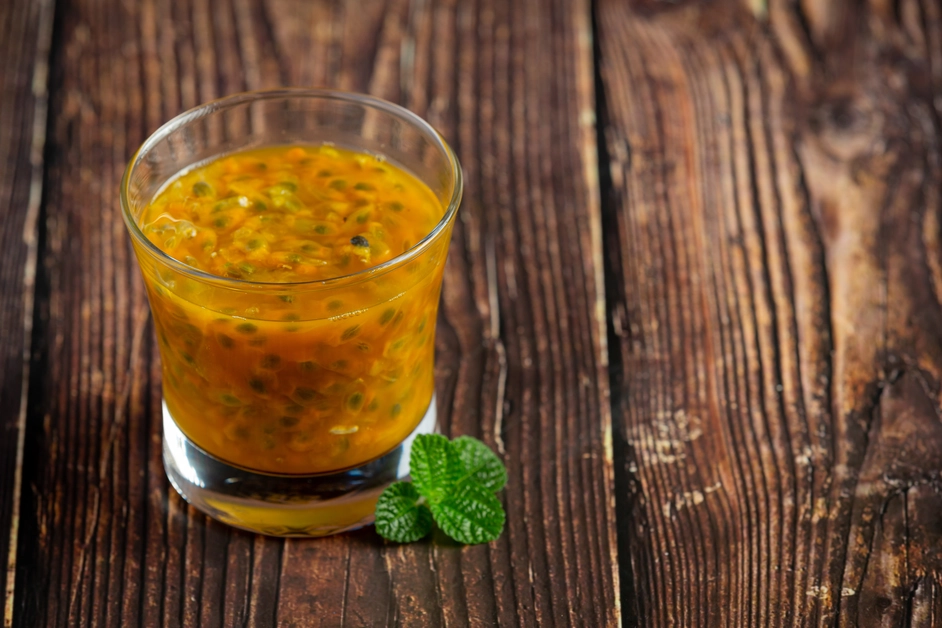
(693,300)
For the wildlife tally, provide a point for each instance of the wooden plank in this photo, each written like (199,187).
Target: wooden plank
(521,339)
(774,282)
(25,33)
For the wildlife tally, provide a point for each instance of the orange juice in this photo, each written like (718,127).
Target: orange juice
(312,371)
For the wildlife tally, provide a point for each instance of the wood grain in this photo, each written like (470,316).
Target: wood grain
(774,278)
(25,32)
(521,336)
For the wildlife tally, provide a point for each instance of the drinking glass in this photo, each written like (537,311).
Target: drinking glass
(289,407)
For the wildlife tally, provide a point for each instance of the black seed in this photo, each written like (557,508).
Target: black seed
(246,328)
(360,241)
(362,346)
(305,394)
(226,342)
(201,188)
(387,316)
(271,361)
(350,332)
(363,187)
(257,385)
(288,421)
(187,358)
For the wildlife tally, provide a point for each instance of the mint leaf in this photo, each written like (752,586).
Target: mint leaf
(471,514)
(479,463)
(432,465)
(399,515)
(457,480)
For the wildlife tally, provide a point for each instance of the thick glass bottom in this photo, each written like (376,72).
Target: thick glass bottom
(284,505)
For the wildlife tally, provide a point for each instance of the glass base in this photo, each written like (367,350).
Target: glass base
(284,505)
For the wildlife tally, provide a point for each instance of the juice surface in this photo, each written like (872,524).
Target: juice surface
(298,378)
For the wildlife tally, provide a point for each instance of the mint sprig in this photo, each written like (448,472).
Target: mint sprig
(453,482)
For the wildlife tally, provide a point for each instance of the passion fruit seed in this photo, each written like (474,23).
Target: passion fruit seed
(338,184)
(288,421)
(395,410)
(271,361)
(363,187)
(387,316)
(257,385)
(360,241)
(246,328)
(201,188)
(350,332)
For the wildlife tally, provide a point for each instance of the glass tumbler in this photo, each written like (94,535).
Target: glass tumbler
(289,407)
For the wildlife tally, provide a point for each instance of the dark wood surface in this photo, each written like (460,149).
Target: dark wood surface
(694,300)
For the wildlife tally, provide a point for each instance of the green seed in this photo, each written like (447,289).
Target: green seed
(293,258)
(325,173)
(260,206)
(350,332)
(187,358)
(396,206)
(338,184)
(221,222)
(257,385)
(421,327)
(271,361)
(334,305)
(320,229)
(373,405)
(289,185)
(230,400)
(251,245)
(288,421)
(387,316)
(261,165)
(201,188)
(247,268)
(287,298)
(395,410)
(225,341)
(362,217)
(355,401)
(363,187)
(246,328)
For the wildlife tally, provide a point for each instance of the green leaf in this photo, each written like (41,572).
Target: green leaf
(479,463)
(433,466)
(399,515)
(470,514)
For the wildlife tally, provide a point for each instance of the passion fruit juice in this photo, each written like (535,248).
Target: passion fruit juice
(301,345)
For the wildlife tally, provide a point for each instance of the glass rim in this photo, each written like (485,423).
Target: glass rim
(233,100)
